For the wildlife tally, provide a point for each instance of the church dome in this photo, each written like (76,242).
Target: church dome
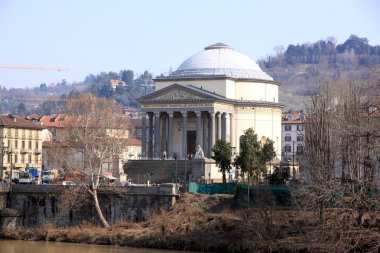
(220,60)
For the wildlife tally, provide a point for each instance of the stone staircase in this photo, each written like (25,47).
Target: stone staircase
(165,171)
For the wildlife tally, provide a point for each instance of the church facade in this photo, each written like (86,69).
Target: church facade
(217,93)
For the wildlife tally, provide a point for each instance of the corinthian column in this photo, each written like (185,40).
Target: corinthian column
(150,144)
(204,142)
(156,135)
(143,136)
(170,144)
(198,133)
(211,136)
(184,135)
(219,126)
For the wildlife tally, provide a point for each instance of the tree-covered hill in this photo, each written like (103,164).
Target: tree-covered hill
(299,68)
(50,99)
(302,68)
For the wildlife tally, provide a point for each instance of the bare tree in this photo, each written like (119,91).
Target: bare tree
(95,135)
(341,143)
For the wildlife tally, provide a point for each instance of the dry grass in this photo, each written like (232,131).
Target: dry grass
(212,223)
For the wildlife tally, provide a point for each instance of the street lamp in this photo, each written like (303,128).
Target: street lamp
(2,152)
(8,151)
(294,171)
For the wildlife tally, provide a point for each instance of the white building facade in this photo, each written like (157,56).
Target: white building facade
(217,93)
(293,133)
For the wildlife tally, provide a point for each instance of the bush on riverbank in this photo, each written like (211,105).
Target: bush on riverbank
(215,223)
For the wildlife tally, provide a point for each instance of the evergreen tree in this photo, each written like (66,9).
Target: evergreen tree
(222,156)
(254,154)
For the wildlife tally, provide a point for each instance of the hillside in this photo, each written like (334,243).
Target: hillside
(299,68)
(302,68)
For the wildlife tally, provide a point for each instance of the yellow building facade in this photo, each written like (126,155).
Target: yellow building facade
(20,145)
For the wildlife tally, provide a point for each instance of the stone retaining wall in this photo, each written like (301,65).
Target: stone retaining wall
(39,205)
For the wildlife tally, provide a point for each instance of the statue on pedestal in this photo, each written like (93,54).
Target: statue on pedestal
(199,153)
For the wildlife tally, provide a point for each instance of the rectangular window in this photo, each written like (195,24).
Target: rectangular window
(36,160)
(16,158)
(299,138)
(30,158)
(300,128)
(288,138)
(30,144)
(288,127)
(36,144)
(23,144)
(299,149)
(288,148)
(16,144)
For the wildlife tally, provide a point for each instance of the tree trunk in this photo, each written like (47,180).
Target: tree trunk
(103,221)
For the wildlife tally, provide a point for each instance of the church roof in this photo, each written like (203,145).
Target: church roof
(176,93)
(220,60)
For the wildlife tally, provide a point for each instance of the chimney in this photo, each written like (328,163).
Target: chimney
(12,117)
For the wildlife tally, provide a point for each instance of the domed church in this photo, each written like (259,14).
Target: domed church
(215,94)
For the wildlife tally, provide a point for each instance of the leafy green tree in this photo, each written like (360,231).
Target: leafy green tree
(127,76)
(279,176)
(254,154)
(144,79)
(222,156)
(106,91)
(21,108)
(90,79)
(43,87)
(120,90)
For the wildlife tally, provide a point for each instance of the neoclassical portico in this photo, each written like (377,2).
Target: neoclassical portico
(207,132)
(182,117)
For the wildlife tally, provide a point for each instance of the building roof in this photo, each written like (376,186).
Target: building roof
(133,142)
(57,120)
(17,122)
(293,118)
(220,60)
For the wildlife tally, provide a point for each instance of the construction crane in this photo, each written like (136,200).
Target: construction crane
(32,68)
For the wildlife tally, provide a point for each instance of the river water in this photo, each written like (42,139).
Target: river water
(14,246)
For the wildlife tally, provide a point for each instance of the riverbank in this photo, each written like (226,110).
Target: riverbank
(217,224)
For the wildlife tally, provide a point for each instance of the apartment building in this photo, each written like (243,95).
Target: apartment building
(292,131)
(20,145)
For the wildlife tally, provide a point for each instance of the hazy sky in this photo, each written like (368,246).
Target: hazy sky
(90,36)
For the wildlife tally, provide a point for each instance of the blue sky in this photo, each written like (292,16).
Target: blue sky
(90,36)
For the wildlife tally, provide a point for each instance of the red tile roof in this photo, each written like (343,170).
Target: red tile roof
(58,120)
(134,142)
(17,122)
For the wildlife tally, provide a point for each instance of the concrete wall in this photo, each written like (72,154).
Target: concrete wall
(166,170)
(39,205)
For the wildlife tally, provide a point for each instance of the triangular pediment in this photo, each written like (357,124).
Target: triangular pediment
(177,92)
